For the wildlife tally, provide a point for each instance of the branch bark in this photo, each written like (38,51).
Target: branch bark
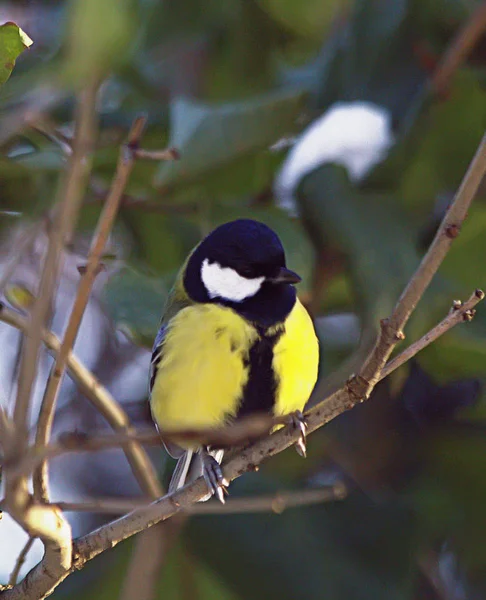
(459,313)
(462,45)
(124,168)
(276,503)
(99,397)
(69,202)
(392,328)
(39,582)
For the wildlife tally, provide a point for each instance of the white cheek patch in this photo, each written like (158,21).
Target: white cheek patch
(226,283)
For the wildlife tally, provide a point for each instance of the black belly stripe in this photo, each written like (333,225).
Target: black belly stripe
(259,393)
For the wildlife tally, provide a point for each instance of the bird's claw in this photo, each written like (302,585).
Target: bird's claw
(214,478)
(298,421)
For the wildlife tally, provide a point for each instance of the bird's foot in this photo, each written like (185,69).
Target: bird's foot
(213,476)
(298,421)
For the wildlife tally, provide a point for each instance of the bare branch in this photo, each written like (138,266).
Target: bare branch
(462,45)
(166,154)
(46,523)
(20,561)
(147,556)
(459,313)
(101,399)
(6,430)
(244,431)
(68,203)
(107,218)
(392,328)
(40,582)
(253,504)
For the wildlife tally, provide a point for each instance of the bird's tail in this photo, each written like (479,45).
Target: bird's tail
(189,468)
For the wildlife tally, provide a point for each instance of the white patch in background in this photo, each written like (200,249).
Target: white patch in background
(356,135)
(15,539)
(226,283)
(121,366)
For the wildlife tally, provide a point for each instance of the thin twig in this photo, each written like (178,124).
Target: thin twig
(239,433)
(252,504)
(144,569)
(462,45)
(98,395)
(6,430)
(40,582)
(44,522)
(166,154)
(105,224)
(20,561)
(69,202)
(458,314)
(392,328)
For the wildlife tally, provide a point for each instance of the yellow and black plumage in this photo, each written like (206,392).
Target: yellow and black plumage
(234,340)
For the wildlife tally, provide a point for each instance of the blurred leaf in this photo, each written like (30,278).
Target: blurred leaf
(135,302)
(429,403)
(345,549)
(307,18)
(449,135)
(370,58)
(209,137)
(369,228)
(181,576)
(455,462)
(100,36)
(13,41)
(42,160)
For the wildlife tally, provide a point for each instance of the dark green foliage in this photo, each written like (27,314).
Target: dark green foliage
(222,82)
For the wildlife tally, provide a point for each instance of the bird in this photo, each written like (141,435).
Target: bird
(234,341)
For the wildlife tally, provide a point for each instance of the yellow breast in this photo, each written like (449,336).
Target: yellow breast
(202,372)
(295,361)
(204,366)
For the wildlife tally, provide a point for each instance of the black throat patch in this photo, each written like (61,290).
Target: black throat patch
(259,393)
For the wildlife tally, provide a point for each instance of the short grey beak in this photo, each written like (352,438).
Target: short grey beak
(285,276)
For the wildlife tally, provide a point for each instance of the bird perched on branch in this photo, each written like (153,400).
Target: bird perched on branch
(234,341)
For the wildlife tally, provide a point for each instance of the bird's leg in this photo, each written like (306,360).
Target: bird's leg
(213,475)
(297,420)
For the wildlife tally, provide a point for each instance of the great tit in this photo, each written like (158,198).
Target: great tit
(234,340)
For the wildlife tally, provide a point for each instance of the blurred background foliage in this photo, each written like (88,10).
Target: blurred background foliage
(229,83)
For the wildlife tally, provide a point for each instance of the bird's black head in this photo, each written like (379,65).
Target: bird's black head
(241,264)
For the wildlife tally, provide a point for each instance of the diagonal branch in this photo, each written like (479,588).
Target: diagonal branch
(462,45)
(276,503)
(99,397)
(20,561)
(39,582)
(392,328)
(459,313)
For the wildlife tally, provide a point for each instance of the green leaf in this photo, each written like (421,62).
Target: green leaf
(307,18)
(369,228)
(135,302)
(448,135)
(13,41)
(209,137)
(100,36)
(345,549)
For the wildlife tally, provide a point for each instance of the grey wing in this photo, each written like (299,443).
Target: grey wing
(157,351)
(156,355)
